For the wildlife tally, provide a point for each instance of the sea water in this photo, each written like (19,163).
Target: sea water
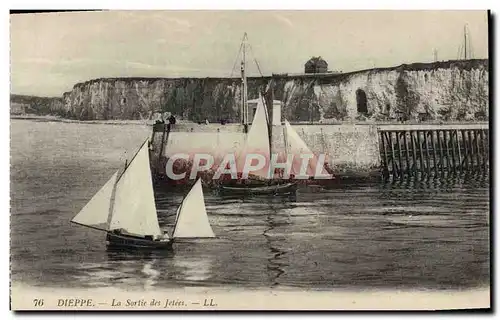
(408,235)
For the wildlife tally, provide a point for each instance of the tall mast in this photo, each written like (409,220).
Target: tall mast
(465,41)
(113,193)
(244,93)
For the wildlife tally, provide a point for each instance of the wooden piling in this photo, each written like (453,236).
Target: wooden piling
(470,143)
(487,143)
(453,156)
(446,151)
(465,164)
(476,149)
(394,171)
(384,150)
(407,153)
(413,152)
(427,155)
(439,146)
(435,167)
(478,152)
(398,153)
(479,149)
(459,150)
(483,149)
(473,149)
(421,153)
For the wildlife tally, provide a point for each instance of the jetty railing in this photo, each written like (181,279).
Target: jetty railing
(433,151)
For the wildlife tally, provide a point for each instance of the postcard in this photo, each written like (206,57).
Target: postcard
(250,160)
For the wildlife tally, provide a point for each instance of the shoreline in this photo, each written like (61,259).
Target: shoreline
(65,120)
(50,118)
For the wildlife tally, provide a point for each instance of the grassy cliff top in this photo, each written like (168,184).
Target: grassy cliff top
(461,64)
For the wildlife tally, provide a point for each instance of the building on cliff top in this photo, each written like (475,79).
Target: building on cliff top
(316,65)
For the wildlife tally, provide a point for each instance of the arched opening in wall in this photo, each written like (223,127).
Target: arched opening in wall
(361,101)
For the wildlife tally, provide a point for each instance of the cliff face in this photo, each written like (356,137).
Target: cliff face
(22,104)
(448,91)
(438,91)
(136,98)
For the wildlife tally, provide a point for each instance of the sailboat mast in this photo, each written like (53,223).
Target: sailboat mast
(244,91)
(113,194)
(177,215)
(112,204)
(465,41)
(243,120)
(129,163)
(269,123)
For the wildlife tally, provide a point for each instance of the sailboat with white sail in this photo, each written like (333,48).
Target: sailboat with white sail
(258,141)
(296,146)
(125,209)
(261,181)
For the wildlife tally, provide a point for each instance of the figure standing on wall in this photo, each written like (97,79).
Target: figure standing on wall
(171,119)
(206,121)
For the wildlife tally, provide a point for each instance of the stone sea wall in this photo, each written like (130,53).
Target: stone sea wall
(351,150)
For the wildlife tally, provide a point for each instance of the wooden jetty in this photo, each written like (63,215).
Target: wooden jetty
(433,150)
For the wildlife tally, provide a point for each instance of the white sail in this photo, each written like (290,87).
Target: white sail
(96,211)
(295,142)
(257,141)
(134,209)
(297,147)
(192,220)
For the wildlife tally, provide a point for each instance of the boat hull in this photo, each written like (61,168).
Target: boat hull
(120,241)
(264,189)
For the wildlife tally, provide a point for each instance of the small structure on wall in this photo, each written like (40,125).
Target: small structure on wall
(316,65)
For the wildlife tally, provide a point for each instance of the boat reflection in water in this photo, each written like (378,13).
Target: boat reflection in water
(141,268)
(193,269)
(151,274)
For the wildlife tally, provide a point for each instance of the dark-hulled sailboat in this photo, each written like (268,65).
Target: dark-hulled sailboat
(125,209)
(258,141)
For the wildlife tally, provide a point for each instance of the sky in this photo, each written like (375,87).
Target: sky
(51,52)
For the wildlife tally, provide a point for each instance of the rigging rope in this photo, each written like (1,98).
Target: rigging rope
(255,60)
(236,61)
(245,37)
